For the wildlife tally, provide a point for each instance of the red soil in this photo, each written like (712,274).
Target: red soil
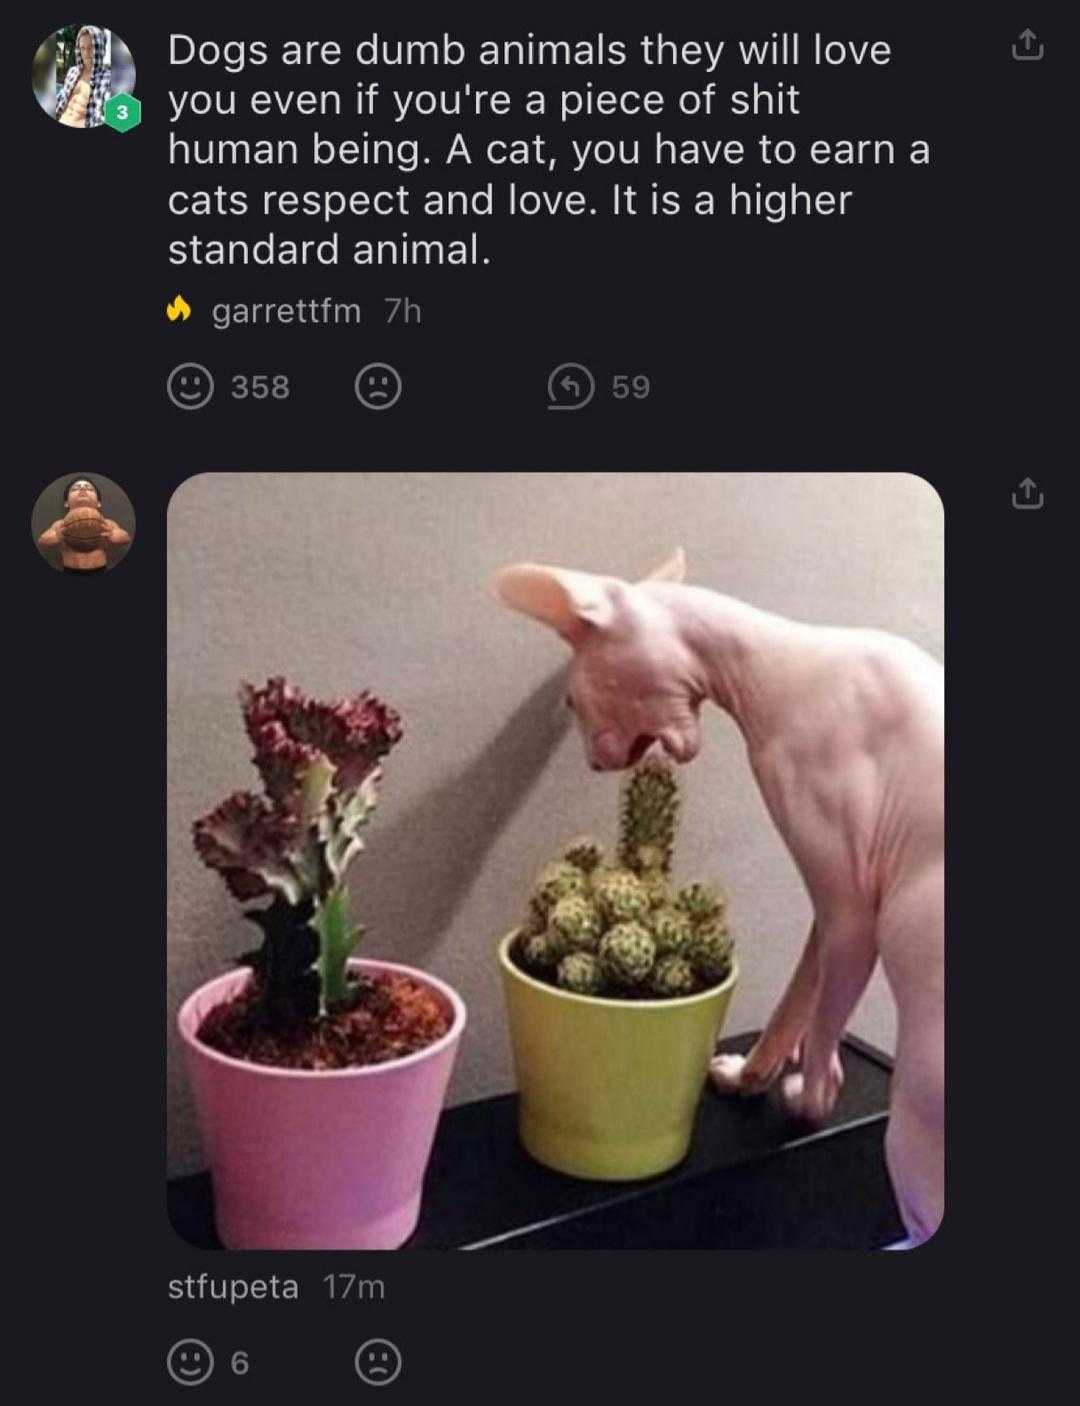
(396,1017)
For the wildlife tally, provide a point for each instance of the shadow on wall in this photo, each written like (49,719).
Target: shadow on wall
(420,867)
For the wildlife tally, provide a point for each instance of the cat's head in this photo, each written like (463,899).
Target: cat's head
(632,681)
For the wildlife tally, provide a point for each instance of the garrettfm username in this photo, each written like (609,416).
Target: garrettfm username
(313,312)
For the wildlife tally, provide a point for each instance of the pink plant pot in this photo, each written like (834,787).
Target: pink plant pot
(317,1159)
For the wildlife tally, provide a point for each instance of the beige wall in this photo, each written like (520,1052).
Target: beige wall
(346,581)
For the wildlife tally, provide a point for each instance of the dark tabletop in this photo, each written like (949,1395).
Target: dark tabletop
(754,1178)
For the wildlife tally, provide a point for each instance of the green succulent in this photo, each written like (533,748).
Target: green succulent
(627,953)
(535,920)
(575,924)
(658,890)
(650,811)
(585,854)
(701,902)
(648,857)
(620,895)
(580,972)
(671,930)
(539,953)
(619,927)
(558,880)
(673,976)
(710,951)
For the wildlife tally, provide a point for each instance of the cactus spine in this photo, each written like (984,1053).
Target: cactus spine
(620,895)
(585,854)
(627,953)
(673,976)
(701,902)
(539,954)
(580,972)
(558,880)
(575,924)
(710,951)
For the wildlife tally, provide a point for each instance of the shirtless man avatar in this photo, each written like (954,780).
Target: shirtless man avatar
(82,493)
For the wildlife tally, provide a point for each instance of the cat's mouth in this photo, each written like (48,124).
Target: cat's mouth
(638,748)
(604,756)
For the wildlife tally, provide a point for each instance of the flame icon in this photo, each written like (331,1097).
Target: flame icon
(179,307)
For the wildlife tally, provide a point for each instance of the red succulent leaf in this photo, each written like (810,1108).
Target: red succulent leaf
(271,703)
(289,730)
(282,762)
(248,841)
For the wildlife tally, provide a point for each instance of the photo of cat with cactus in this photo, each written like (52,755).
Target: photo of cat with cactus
(620,928)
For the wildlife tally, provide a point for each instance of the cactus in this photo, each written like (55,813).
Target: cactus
(575,924)
(580,972)
(710,953)
(627,953)
(673,976)
(319,762)
(558,880)
(621,929)
(620,895)
(535,920)
(702,903)
(671,929)
(585,854)
(539,953)
(650,810)
(658,891)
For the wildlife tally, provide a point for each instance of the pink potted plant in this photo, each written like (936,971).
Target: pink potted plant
(318,1078)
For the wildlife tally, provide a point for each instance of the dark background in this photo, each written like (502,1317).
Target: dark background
(927,331)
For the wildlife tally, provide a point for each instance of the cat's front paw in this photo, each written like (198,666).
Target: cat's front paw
(737,1074)
(813,1102)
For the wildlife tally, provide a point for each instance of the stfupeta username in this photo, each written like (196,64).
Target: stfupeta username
(211,1288)
(305,312)
(207,1288)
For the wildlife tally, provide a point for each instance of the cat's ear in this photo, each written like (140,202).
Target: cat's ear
(573,603)
(673,569)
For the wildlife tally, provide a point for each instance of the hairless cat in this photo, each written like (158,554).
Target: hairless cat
(844,731)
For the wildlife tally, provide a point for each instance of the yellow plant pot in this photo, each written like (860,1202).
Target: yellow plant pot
(608,1089)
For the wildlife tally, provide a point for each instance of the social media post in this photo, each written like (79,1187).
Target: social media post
(431,890)
(378,189)
(606,229)
(514,452)
(621,220)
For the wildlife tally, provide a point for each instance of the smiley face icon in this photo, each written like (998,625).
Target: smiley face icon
(189,1362)
(190,386)
(378,386)
(378,1362)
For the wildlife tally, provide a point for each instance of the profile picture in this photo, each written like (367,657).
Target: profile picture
(83,524)
(77,69)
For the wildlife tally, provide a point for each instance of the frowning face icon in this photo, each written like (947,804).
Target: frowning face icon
(378,1362)
(377,386)
(190,1362)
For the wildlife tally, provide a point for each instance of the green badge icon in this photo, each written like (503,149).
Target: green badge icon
(122,112)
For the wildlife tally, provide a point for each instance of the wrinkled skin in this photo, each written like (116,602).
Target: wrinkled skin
(845,736)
